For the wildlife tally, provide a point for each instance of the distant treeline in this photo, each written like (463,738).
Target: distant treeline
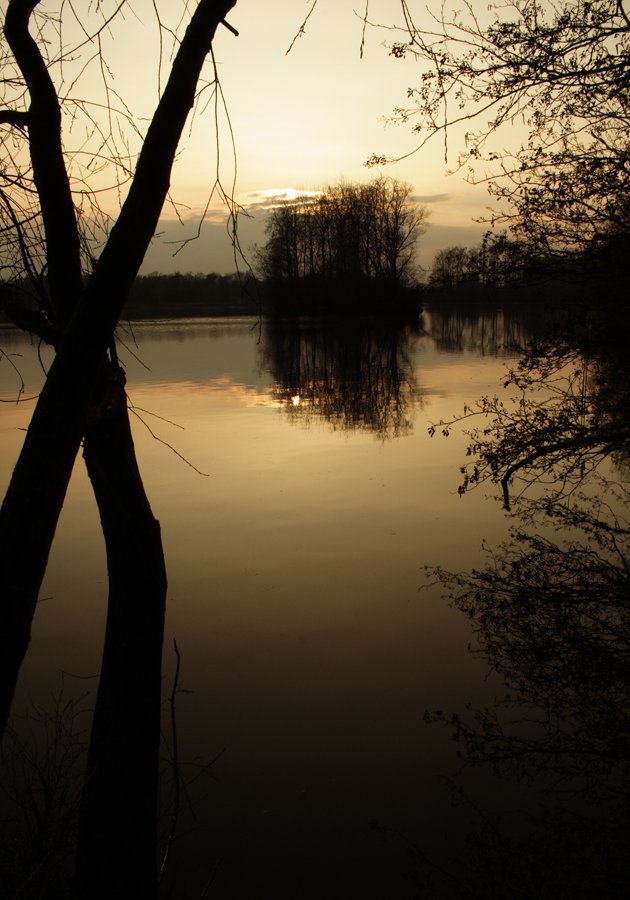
(181,295)
(153,296)
(502,268)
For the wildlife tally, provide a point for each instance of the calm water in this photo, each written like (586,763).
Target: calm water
(300,497)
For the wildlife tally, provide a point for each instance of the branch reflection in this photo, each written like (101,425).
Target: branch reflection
(355,374)
(551,616)
(458,328)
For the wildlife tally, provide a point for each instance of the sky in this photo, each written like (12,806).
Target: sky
(299,120)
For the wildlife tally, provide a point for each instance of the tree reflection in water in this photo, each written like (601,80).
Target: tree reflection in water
(356,374)
(458,328)
(551,615)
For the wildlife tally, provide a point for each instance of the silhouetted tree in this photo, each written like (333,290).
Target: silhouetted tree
(77,304)
(450,267)
(560,68)
(501,261)
(350,231)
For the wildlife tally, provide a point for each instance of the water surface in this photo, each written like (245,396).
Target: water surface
(300,497)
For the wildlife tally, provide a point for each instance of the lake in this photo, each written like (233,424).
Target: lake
(300,497)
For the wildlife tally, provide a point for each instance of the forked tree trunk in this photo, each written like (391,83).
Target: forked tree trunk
(116,850)
(116,854)
(29,514)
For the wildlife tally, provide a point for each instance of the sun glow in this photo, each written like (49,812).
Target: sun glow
(272,197)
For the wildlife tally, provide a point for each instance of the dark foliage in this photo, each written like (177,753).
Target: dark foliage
(350,247)
(561,70)
(178,295)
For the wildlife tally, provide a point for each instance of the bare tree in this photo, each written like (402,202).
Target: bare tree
(450,267)
(356,231)
(74,303)
(561,70)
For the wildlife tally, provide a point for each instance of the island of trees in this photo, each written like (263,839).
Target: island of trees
(352,248)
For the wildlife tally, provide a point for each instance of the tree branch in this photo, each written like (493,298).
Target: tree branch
(229,27)
(43,470)
(614,439)
(49,169)
(130,237)
(14,117)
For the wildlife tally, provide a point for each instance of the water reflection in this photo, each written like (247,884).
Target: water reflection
(354,374)
(308,653)
(552,618)
(486,332)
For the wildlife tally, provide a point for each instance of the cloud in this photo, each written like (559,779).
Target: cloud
(191,217)
(431,198)
(273,197)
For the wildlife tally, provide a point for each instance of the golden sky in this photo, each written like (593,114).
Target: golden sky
(300,121)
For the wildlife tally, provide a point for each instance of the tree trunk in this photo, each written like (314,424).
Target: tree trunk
(28,519)
(31,509)
(116,854)
(84,398)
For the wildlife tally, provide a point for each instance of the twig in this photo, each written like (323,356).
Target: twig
(230,27)
(212,877)
(174,766)
(166,444)
(302,29)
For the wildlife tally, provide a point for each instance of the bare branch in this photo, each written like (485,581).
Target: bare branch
(302,29)
(49,169)
(229,27)
(14,117)
(561,70)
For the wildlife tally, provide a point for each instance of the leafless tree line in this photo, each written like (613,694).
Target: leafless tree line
(349,231)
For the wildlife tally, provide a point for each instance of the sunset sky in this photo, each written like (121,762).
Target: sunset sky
(300,121)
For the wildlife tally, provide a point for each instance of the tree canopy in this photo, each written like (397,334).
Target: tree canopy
(498,261)
(348,231)
(553,77)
